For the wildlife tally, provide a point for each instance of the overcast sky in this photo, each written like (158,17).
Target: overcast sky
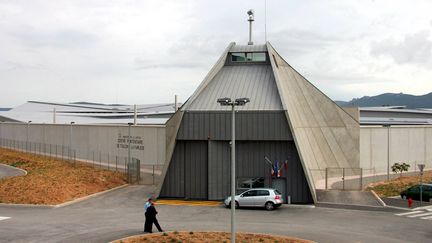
(147,51)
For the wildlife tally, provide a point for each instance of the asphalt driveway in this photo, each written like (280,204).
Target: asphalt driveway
(120,213)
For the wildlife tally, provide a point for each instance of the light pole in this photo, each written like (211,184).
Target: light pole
(70,142)
(129,139)
(421,168)
(27,134)
(388,150)
(233,104)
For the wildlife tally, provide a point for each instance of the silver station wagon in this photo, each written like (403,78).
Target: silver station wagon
(257,197)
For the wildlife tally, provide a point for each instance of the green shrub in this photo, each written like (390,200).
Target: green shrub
(16,164)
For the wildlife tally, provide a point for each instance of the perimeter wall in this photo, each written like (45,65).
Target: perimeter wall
(93,142)
(380,146)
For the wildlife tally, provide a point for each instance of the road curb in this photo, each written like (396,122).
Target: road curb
(378,198)
(65,203)
(354,207)
(13,167)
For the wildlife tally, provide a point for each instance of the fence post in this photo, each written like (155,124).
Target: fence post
(326,178)
(138,171)
(343,178)
(116,162)
(126,170)
(361,179)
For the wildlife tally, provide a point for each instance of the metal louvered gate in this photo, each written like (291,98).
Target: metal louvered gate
(133,171)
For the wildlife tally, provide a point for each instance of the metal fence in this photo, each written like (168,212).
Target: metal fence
(350,178)
(136,173)
(345,178)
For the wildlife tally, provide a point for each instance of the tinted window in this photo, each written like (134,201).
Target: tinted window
(263,193)
(259,57)
(414,189)
(238,57)
(248,57)
(250,193)
(427,188)
(257,182)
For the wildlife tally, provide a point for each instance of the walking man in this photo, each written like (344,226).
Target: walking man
(150,219)
(146,221)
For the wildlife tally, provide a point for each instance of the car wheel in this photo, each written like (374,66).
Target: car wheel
(269,206)
(236,205)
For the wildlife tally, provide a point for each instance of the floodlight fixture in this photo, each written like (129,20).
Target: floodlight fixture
(224,101)
(242,101)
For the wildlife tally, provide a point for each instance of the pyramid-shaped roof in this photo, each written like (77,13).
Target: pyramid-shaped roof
(325,135)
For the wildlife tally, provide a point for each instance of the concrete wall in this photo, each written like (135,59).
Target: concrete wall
(409,144)
(106,141)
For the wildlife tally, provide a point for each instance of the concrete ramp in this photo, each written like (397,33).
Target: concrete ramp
(348,198)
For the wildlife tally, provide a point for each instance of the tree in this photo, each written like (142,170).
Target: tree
(400,168)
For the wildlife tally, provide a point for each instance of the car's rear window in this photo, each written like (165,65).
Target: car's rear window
(263,193)
(277,192)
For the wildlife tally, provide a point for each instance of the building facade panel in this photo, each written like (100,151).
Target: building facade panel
(195,159)
(174,183)
(270,125)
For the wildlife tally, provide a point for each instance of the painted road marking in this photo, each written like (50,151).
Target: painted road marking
(404,214)
(3,218)
(427,214)
(188,203)
(419,215)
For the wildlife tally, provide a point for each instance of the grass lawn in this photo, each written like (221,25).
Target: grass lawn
(52,181)
(209,237)
(395,186)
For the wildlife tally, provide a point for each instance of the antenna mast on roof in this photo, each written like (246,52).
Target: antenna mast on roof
(250,19)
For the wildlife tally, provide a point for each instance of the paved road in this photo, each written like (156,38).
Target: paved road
(119,213)
(8,171)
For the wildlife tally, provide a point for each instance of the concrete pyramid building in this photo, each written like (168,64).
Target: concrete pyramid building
(288,121)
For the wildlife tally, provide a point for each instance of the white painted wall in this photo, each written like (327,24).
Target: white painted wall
(409,144)
(100,140)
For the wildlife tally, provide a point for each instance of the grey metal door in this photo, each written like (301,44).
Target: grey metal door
(280,185)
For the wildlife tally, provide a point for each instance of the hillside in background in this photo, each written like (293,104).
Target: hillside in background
(391,99)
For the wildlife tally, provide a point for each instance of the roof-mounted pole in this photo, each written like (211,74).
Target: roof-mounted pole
(250,19)
(54,115)
(135,115)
